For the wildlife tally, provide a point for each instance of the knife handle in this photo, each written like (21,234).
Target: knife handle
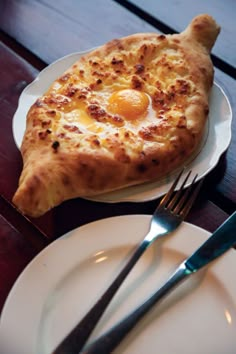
(113,337)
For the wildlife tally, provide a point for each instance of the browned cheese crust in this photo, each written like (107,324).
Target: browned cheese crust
(83,139)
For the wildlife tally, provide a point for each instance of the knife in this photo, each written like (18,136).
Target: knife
(220,241)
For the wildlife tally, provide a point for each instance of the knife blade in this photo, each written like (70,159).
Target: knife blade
(217,244)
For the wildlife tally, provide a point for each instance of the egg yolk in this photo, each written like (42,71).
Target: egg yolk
(131,104)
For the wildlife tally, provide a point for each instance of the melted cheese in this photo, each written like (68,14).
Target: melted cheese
(145,92)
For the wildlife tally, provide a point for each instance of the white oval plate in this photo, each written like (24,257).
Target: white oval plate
(58,287)
(216,141)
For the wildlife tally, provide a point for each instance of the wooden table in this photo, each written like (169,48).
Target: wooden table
(33,34)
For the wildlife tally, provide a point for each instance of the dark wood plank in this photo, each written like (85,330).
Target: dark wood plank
(16,74)
(16,252)
(223,178)
(23,225)
(177,14)
(74,213)
(51,29)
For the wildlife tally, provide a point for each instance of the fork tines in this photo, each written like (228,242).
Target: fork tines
(181,203)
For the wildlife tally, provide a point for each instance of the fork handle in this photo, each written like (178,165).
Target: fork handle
(113,337)
(76,339)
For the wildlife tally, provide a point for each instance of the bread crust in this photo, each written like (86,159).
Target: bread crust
(66,158)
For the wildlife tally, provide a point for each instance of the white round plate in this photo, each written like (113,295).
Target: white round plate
(217,137)
(60,285)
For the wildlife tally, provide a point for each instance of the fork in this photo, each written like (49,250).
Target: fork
(171,211)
